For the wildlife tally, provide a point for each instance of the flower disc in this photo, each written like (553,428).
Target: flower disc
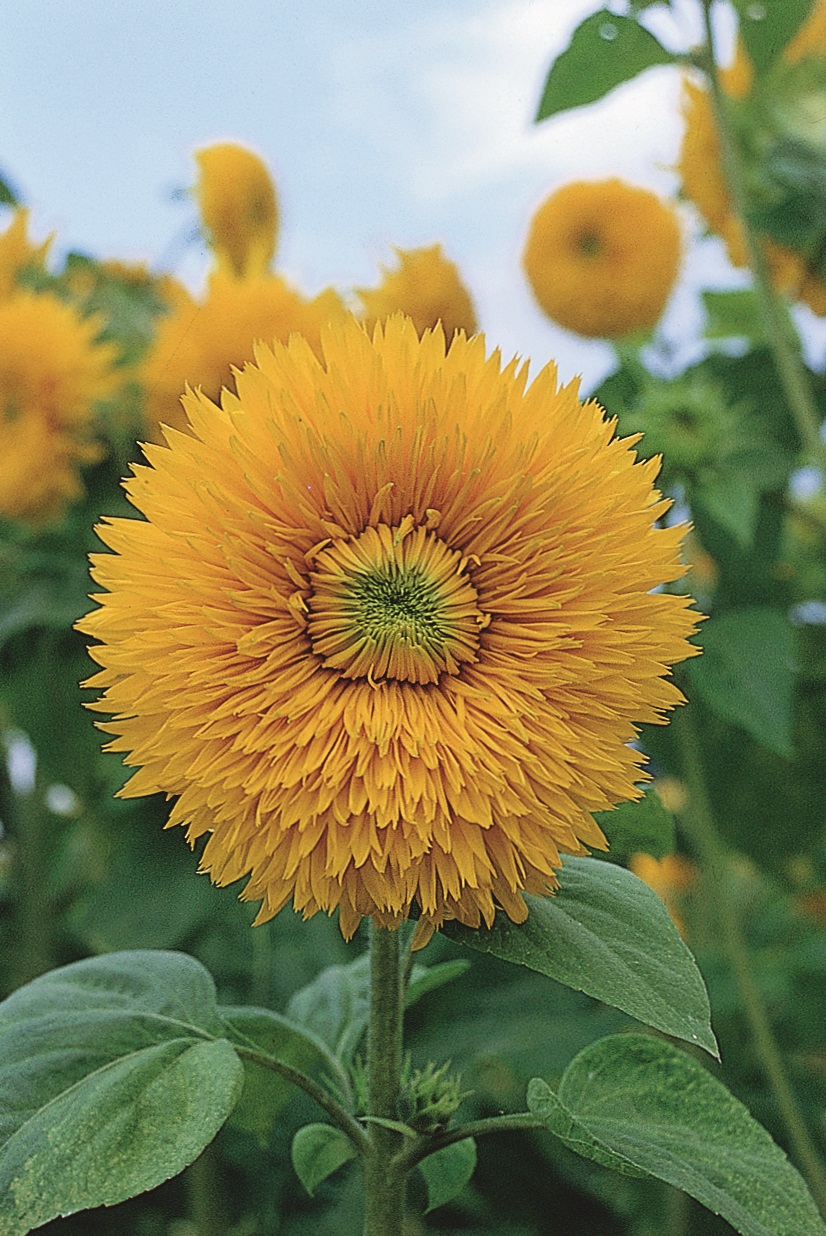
(388,626)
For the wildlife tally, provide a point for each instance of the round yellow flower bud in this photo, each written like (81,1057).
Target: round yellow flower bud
(427,287)
(602,256)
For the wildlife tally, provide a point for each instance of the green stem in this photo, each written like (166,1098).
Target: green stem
(206,1202)
(35,954)
(790,368)
(384,1178)
(713,857)
(425,1146)
(325,1101)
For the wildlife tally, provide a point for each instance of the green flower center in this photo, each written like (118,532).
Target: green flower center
(393,603)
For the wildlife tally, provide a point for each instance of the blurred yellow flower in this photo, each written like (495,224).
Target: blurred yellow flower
(602,257)
(427,287)
(389,626)
(238,206)
(199,343)
(17,251)
(670,878)
(52,371)
(701,168)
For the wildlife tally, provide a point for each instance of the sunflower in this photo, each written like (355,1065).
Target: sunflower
(238,206)
(602,256)
(388,627)
(200,342)
(701,168)
(17,251)
(427,287)
(52,372)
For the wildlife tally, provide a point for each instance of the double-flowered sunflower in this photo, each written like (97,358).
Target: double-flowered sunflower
(602,257)
(388,627)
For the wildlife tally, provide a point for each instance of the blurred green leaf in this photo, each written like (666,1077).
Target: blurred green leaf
(335,1006)
(271,1034)
(447,1171)
(734,315)
(767,26)
(425,979)
(318,1150)
(747,672)
(605,51)
(114,1075)
(8,197)
(642,1107)
(732,501)
(644,825)
(606,933)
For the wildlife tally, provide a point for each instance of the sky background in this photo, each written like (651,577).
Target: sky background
(383,124)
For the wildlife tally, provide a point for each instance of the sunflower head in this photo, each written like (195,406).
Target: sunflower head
(427,287)
(52,372)
(238,206)
(602,257)
(200,343)
(388,626)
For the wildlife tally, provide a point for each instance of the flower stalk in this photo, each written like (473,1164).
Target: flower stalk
(790,369)
(384,1176)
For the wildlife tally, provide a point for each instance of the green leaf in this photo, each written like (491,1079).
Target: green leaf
(734,315)
(746,673)
(8,197)
(733,502)
(641,1106)
(317,1151)
(767,26)
(114,1076)
(425,979)
(271,1034)
(447,1171)
(644,825)
(609,935)
(605,51)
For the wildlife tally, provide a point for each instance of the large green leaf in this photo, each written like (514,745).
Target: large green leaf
(767,27)
(641,1106)
(270,1034)
(607,934)
(114,1076)
(746,673)
(605,50)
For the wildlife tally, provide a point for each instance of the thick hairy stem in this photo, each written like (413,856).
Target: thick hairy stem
(384,1177)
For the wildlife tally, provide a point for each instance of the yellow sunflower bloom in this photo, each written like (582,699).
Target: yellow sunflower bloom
(389,626)
(602,257)
(17,251)
(52,371)
(199,343)
(701,168)
(238,206)
(427,287)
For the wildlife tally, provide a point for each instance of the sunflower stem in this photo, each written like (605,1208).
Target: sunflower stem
(790,369)
(714,859)
(384,1175)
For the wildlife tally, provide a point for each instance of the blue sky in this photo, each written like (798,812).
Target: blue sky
(384,124)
